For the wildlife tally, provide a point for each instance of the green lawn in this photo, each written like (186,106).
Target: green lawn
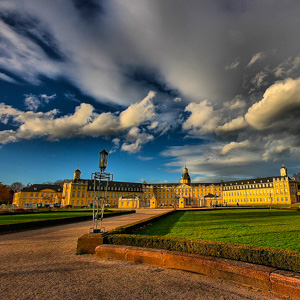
(20,218)
(261,227)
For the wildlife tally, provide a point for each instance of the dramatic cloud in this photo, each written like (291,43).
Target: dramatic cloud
(234,145)
(202,119)
(84,122)
(224,76)
(279,101)
(138,113)
(236,124)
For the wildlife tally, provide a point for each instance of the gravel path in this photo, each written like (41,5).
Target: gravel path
(41,264)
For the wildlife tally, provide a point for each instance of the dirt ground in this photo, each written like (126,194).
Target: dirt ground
(41,264)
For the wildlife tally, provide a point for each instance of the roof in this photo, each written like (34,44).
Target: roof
(252,181)
(194,184)
(112,185)
(39,187)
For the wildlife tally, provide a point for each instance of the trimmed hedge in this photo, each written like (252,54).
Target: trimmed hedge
(272,257)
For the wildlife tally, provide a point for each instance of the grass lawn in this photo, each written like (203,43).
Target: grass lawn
(21,218)
(261,227)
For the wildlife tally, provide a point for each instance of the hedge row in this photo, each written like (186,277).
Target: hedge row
(272,257)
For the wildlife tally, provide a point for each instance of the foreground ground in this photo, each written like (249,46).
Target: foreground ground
(40,264)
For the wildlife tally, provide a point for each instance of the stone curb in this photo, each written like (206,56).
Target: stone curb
(269,279)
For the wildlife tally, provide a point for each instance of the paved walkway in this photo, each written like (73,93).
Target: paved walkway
(41,264)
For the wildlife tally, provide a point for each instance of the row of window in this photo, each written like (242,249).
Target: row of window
(245,193)
(279,199)
(250,186)
(25,194)
(103,188)
(98,194)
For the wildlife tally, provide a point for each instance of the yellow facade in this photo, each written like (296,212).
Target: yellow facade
(260,191)
(80,192)
(130,202)
(38,195)
(167,195)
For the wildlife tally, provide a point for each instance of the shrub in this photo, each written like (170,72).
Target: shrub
(272,257)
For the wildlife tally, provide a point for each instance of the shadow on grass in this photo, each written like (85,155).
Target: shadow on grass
(161,227)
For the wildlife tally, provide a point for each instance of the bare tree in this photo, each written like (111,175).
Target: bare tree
(297,176)
(16,186)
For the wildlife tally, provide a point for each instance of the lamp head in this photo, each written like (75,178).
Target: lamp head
(103,157)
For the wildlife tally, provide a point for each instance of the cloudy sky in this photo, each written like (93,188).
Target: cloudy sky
(159,84)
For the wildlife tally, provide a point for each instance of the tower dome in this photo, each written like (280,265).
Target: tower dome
(283,171)
(185,177)
(77,174)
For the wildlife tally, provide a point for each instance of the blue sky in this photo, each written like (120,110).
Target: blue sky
(212,84)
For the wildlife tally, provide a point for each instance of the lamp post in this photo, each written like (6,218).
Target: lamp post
(99,177)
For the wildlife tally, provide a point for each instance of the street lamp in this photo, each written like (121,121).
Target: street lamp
(103,157)
(99,177)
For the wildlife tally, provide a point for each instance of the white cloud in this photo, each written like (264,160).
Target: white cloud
(259,78)
(23,57)
(279,149)
(138,113)
(233,146)
(209,164)
(103,124)
(136,139)
(47,98)
(202,119)
(255,58)
(84,122)
(116,144)
(33,102)
(233,65)
(278,101)
(145,158)
(236,124)
(7,78)
(7,136)
(237,103)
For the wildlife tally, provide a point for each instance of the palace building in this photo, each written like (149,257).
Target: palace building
(184,194)
(261,191)
(38,195)
(80,192)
